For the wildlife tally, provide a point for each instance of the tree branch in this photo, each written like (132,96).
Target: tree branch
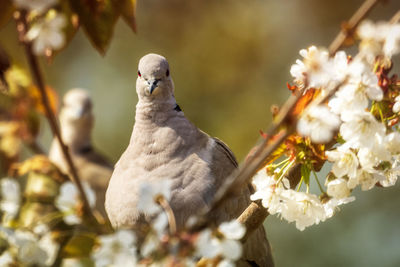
(349,27)
(396,18)
(255,214)
(20,18)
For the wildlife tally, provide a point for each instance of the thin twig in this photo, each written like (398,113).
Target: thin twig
(396,18)
(170,214)
(20,17)
(252,217)
(349,27)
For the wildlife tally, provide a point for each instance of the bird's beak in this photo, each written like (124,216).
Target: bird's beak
(152,85)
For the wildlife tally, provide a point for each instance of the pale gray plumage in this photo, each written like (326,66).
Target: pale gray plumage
(165,145)
(76,122)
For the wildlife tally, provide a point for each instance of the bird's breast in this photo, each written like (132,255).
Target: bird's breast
(179,153)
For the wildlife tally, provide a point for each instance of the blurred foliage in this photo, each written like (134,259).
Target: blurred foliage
(230,61)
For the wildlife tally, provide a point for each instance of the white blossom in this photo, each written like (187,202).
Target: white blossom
(149,245)
(396,106)
(392,42)
(319,123)
(206,245)
(232,229)
(41,229)
(298,71)
(360,129)
(332,205)
(160,223)
(48,244)
(38,6)
(354,96)
(10,198)
(389,176)
(6,259)
(230,249)
(117,249)
(148,192)
(265,189)
(367,180)
(392,143)
(228,246)
(47,34)
(380,38)
(345,162)
(374,154)
(338,188)
(32,250)
(340,66)
(226,263)
(348,100)
(315,69)
(365,80)
(303,208)
(68,200)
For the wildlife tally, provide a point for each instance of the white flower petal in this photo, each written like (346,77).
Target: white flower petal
(232,229)
(231,249)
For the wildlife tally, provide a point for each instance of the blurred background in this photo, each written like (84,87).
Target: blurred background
(230,61)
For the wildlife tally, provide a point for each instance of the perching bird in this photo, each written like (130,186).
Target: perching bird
(76,123)
(166,145)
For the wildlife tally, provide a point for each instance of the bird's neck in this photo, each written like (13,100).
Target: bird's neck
(77,136)
(153,111)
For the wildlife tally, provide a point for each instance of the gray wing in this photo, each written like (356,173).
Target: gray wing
(93,156)
(96,170)
(225,149)
(256,251)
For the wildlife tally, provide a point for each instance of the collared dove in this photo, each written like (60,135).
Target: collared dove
(76,123)
(166,145)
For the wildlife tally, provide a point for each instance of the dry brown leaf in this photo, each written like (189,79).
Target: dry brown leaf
(52,96)
(40,164)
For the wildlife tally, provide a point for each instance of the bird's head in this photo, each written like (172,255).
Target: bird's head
(77,108)
(154,81)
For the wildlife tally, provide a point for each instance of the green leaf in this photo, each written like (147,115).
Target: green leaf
(127,8)
(6,11)
(97,18)
(79,245)
(32,213)
(41,187)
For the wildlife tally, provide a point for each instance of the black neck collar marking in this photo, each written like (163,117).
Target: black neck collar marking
(85,149)
(177,108)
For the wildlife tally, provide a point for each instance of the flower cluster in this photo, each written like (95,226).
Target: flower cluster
(117,249)
(379,39)
(10,199)
(353,116)
(303,208)
(224,243)
(68,201)
(46,25)
(36,246)
(38,243)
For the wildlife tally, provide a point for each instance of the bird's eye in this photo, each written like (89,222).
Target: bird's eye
(139,74)
(167,73)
